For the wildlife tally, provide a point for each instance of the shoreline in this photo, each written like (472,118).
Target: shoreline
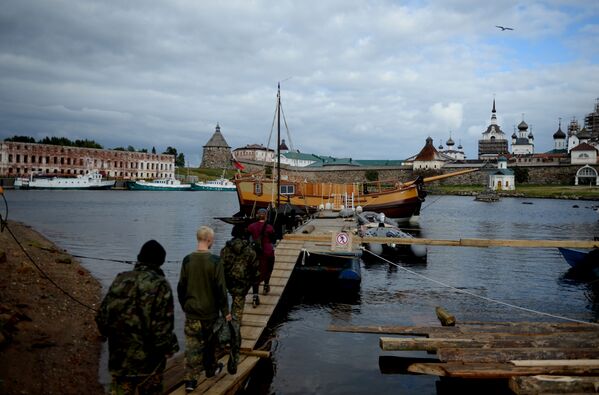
(51,341)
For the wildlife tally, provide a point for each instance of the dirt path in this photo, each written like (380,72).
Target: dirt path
(49,344)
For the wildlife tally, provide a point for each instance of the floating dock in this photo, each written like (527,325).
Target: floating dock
(533,357)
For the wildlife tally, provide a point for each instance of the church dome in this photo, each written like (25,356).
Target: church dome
(522,126)
(559,134)
(440,146)
(449,142)
(514,136)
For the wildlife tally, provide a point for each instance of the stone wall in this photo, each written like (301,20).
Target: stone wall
(537,174)
(216,158)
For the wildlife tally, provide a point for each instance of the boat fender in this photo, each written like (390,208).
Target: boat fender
(375,248)
(359,209)
(419,250)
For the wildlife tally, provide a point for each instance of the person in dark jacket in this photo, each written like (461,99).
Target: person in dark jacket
(263,233)
(202,294)
(137,317)
(241,271)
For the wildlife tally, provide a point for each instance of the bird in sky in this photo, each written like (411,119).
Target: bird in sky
(503,28)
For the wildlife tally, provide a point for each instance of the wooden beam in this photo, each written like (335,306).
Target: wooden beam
(422,343)
(541,355)
(459,242)
(444,316)
(557,362)
(498,370)
(543,384)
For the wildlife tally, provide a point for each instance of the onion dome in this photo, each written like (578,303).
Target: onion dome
(460,146)
(283,146)
(559,134)
(440,146)
(449,142)
(522,126)
(514,136)
(530,136)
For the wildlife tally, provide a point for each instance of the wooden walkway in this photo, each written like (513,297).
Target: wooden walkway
(252,326)
(255,319)
(534,357)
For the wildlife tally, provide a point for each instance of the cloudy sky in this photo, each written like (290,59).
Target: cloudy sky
(361,79)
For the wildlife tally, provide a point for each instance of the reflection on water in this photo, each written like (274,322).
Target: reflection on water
(307,359)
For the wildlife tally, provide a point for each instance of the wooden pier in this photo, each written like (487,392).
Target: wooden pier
(534,357)
(255,319)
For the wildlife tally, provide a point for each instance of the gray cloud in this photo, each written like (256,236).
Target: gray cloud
(369,79)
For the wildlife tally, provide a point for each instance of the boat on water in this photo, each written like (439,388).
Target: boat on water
(163,184)
(397,200)
(585,263)
(92,180)
(220,184)
(371,224)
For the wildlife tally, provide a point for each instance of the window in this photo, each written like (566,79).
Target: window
(287,189)
(258,188)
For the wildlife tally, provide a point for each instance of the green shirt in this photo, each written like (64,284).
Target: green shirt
(201,290)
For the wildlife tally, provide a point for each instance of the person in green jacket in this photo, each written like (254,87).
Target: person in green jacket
(137,318)
(202,293)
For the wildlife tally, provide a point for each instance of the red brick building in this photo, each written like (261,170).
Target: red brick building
(22,159)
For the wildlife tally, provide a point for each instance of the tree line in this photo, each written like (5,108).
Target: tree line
(179,157)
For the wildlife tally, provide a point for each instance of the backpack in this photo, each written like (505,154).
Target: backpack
(119,312)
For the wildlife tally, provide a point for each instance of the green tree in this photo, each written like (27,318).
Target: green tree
(118,149)
(144,150)
(20,139)
(180,160)
(153,150)
(170,151)
(130,148)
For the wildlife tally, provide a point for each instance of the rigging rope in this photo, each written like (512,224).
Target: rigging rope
(463,291)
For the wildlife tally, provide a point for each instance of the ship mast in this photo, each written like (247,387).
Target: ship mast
(278,145)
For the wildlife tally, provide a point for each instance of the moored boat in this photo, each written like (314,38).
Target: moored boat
(91,180)
(582,262)
(220,184)
(163,184)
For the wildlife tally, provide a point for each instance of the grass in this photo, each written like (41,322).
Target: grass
(204,174)
(525,190)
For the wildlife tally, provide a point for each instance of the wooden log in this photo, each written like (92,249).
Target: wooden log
(468,355)
(256,353)
(308,229)
(444,316)
(422,343)
(557,362)
(543,384)
(498,370)
(392,330)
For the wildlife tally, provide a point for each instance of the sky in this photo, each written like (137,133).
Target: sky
(359,78)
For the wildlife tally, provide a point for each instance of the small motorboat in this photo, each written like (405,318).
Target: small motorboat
(582,262)
(377,225)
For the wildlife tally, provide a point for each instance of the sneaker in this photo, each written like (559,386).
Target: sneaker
(190,385)
(266,289)
(256,301)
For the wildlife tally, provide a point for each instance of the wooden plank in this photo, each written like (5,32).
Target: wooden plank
(557,362)
(285,265)
(586,244)
(251,319)
(508,354)
(283,273)
(421,343)
(231,383)
(544,384)
(279,281)
(393,329)
(497,370)
(434,343)
(251,332)
(264,299)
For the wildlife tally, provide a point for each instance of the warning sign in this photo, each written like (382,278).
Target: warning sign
(342,241)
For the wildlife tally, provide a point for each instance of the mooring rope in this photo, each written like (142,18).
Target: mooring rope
(463,291)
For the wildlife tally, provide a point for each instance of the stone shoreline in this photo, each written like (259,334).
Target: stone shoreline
(49,343)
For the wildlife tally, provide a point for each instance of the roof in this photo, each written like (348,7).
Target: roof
(300,156)
(493,128)
(521,141)
(381,162)
(584,147)
(258,147)
(217,139)
(502,172)
(559,134)
(428,152)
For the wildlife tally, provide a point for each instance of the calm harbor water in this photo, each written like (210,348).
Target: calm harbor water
(307,359)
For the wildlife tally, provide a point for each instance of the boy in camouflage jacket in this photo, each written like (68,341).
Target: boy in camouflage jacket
(241,271)
(137,317)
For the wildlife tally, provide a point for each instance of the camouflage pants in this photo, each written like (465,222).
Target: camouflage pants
(237,312)
(200,348)
(137,385)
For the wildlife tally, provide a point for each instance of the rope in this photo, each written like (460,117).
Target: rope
(128,262)
(480,296)
(433,202)
(45,275)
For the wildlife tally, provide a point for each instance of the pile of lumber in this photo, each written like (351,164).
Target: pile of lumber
(534,357)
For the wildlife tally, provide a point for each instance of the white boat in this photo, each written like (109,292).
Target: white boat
(163,184)
(220,184)
(91,180)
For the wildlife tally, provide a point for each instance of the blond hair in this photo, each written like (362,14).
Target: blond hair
(205,233)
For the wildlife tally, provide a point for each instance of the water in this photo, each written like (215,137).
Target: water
(307,359)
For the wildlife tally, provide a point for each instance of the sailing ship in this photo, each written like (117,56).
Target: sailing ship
(91,180)
(400,201)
